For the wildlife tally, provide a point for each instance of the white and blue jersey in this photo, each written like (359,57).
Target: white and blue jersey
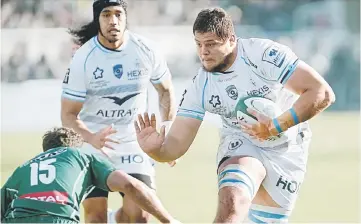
(261,68)
(113,84)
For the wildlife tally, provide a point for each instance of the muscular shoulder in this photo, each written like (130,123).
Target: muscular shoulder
(146,44)
(264,50)
(84,51)
(268,59)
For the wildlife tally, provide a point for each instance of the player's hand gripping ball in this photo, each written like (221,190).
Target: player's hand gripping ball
(255,114)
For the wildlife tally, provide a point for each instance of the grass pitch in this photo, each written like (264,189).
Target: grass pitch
(330,192)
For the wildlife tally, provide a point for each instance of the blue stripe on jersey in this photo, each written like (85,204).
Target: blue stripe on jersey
(287,75)
(74,91)
(72,98)
(191,116)
(244,59)
(86,59)
(74,95)
(157,80)
(186,110)
(204,88)
(138,87)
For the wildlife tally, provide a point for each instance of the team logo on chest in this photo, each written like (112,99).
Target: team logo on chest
(98,73)
(118,70)
(215,101)
(232,92)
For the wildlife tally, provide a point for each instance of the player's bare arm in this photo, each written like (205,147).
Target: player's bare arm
(315,96)
(69,116)
(166,148)
(167,104)
(140,193)
(315,93)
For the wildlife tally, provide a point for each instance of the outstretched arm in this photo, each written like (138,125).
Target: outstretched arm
(140,194)
(166,148)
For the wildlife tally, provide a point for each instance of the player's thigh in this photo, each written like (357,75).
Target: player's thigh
(277,196)
(240,177)
(240,165)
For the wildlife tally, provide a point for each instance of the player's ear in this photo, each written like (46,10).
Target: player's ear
(233,39)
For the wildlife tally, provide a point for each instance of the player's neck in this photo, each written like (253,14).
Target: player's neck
(111,46)
(231,58)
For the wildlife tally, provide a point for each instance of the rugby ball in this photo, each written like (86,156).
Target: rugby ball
(264,106)
(260,104)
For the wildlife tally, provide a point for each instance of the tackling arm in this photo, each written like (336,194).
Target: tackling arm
(315,96)
(118,181)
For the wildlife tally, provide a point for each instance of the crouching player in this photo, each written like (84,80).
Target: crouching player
(50,187)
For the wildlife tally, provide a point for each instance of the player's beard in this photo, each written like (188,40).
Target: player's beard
(221,66)
(110,40)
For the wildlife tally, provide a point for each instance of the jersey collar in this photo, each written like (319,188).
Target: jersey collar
(107,50)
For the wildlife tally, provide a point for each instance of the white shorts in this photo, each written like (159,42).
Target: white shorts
(285,165)
(127,157)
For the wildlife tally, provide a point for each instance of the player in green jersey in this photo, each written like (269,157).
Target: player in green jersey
(50,187)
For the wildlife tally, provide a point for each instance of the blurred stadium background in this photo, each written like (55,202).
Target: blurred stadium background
(35,52)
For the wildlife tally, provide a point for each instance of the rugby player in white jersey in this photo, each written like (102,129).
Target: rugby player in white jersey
(105,87)
(258,179)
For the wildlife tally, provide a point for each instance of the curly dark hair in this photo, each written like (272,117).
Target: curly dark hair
(215,20)
(61,137)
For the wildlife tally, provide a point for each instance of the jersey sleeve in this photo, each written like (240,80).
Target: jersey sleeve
(8,193)
(191,104)
(275,62)
(74,81)
(101,169)
(160,68)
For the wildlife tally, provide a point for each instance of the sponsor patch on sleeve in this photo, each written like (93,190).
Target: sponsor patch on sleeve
(274,55)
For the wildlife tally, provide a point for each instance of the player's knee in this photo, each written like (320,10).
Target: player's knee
(233,205)
(234,200)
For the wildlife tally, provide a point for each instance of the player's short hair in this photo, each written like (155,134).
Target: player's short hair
(215,20)
(61,137)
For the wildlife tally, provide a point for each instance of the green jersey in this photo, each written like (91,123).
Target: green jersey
(53,183)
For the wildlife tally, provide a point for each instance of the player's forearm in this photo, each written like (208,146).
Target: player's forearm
(167,104)
(142,195)
(72,121)
(309,104)
(148,201)
(171,150)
